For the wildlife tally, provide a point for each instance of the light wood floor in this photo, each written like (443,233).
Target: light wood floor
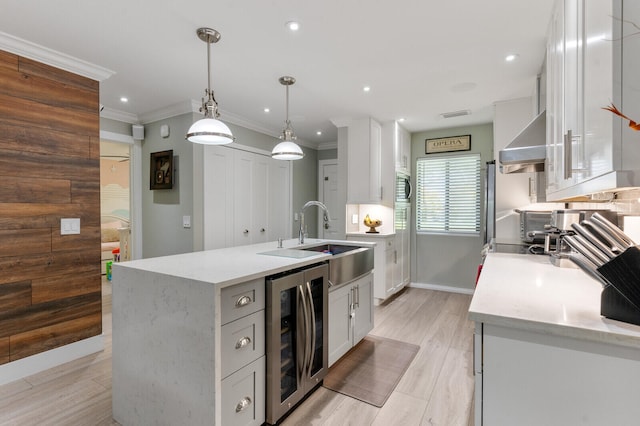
(437,389)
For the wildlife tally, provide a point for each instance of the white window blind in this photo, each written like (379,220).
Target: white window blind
(448,194)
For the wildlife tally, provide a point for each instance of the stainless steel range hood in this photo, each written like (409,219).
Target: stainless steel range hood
(527,151)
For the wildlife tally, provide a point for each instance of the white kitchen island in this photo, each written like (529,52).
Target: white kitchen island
(543,354)
(169,365)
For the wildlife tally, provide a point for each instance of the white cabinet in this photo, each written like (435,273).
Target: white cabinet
(246,198)
(364,182)
(242,353)
(350,316)
(402,148)
(391,262)
(402,273)
(532,378)
(590,63)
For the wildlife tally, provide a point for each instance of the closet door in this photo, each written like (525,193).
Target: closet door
(218,197)
(242,200)
(259,195)
(279,200)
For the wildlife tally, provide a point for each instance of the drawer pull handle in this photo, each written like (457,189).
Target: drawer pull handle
(243,342)
(243,301)
(244,403)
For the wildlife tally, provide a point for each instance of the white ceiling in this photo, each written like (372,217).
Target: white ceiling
(420,57)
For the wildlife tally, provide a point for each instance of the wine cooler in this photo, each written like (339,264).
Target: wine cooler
(297,353)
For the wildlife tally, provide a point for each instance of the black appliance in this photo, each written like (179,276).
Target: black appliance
(403,187)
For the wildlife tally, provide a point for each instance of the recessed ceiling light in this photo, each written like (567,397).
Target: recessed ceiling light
(267,110)
(319,133)
(401,119)
(512,57)
(124,100)
(293,25)
(366,88)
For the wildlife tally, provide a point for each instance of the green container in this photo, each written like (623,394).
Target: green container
(109,263)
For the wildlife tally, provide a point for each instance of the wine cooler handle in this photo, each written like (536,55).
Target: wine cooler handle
(312,346)
(244,403)
(305,326)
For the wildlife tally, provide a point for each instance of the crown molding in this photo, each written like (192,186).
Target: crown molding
(114,114)
(327,145)
(52,57)
(193,106)
(169,111)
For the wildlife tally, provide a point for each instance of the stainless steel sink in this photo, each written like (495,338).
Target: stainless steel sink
(346,263)
(333,249)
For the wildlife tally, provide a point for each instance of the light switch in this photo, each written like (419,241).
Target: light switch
(69,226)
(354,219)
(186,221)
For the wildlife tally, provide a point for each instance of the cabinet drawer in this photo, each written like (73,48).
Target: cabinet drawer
(242,341)
(243,395)
(240,300)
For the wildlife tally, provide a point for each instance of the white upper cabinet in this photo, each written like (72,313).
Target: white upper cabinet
(402,145)
(364,181)
(591,62)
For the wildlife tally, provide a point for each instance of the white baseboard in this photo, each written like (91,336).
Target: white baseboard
(439,287)
(33,364)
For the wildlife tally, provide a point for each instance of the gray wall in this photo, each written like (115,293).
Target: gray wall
(448,260)
(305,188)
(328,154)
(162,210)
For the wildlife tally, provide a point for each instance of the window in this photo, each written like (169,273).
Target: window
(448,194)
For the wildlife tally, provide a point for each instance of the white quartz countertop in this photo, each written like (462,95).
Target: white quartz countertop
(372,235)
(527,292)
(234,265)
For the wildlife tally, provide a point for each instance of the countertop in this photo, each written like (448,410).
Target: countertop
(527,292)
(233,265)
(365,234)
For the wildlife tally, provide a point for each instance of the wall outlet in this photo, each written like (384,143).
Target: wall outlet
(186,221)
(354,219)
(69,226)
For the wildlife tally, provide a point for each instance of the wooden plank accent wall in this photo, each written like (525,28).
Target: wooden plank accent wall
(50,284)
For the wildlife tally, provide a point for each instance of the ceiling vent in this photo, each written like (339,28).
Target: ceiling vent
(455,113)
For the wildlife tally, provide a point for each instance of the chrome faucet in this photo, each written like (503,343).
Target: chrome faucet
(310,203)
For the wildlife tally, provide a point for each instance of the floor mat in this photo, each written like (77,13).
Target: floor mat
(371,370)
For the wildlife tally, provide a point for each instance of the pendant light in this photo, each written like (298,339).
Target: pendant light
(287,149)
(209,130)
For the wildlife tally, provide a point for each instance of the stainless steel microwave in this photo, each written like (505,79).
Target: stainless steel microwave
(403,187)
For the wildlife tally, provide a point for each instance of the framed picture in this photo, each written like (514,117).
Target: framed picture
(162,170)
(451,143)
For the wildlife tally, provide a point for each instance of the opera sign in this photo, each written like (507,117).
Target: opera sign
(452,143)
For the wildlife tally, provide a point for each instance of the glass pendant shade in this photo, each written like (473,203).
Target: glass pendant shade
(287,150)
(209,131)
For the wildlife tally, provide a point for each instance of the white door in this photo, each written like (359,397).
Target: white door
(279,200)
(242,202)
(328,191)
